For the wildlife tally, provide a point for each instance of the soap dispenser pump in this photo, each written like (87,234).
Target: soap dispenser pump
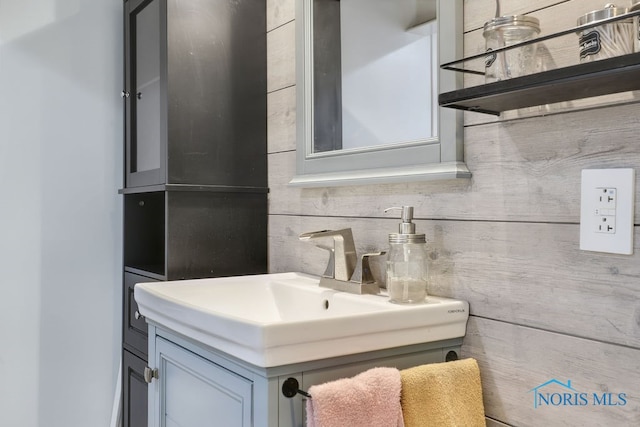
(407,262)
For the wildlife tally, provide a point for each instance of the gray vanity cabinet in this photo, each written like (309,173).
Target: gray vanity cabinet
(196,385)
(195,181)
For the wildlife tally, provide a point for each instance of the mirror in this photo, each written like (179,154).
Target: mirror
(368,78)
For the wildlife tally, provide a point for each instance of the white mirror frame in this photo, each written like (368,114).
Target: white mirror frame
(438,158)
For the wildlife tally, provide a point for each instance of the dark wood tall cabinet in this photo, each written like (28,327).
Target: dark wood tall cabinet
(195,184)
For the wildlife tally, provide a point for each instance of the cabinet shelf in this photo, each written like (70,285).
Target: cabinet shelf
(155,272)
(585,80)
(606,76)
(194,187)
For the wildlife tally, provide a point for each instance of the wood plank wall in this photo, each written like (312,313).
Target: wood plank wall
(507,240)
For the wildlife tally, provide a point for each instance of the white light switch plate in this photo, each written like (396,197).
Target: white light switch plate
(606,210)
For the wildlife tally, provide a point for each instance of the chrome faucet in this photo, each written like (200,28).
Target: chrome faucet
(340,270)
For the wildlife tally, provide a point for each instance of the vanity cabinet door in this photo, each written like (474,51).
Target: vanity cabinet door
(192,391)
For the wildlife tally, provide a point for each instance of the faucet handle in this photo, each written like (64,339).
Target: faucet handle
(367,274)
(365,282)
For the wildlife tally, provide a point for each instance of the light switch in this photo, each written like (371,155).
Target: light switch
(607,210)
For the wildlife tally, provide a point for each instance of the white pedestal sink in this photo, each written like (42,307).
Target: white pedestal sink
(279,319)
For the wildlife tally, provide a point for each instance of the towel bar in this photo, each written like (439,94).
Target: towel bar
(291,387)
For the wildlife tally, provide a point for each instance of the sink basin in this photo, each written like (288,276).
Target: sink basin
(278,319)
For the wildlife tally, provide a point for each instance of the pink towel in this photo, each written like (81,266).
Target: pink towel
(370,399)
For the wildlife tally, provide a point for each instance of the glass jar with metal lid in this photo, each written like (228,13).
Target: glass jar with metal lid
(606,40)
(506,31)
(635,5)
(407,271)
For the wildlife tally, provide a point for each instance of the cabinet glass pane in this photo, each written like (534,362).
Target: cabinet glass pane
(146,139)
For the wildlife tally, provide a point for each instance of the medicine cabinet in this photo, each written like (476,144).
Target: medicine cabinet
(367,82)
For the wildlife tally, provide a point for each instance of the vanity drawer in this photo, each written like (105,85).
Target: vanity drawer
(134,326)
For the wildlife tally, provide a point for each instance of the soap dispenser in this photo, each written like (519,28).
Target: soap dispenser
(407,262)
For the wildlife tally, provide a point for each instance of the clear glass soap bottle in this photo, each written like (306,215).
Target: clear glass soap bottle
(407,272)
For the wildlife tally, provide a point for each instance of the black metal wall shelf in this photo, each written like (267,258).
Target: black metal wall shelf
(602,77)
(606,76)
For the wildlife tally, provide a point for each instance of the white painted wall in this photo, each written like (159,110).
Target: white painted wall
(60,215)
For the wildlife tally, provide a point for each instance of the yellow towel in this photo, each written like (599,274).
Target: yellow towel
(443,395)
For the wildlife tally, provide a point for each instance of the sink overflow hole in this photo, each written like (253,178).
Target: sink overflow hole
(325,303)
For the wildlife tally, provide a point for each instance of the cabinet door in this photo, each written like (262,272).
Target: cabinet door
(194,392)
(134,391)
(144,125)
